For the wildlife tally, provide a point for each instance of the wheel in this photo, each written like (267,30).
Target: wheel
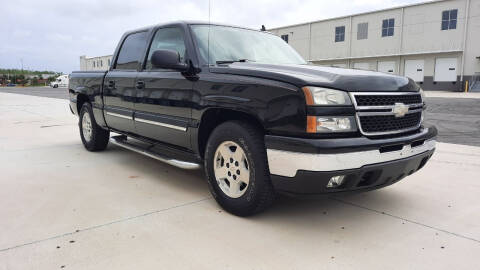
(55,86)
(94,137)
(237,169)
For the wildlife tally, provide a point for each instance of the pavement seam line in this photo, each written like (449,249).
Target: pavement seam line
(407,220)
(107,224)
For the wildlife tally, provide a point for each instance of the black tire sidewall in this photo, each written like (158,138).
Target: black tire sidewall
(258,168)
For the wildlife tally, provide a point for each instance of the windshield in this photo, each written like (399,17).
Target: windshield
(230,44)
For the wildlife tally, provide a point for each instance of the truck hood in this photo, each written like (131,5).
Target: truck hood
(351,80)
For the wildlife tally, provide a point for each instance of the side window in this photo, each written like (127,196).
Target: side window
(131,51)
(167,39)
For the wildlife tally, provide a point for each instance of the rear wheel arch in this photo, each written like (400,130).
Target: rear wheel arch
(215,116)
(81,99)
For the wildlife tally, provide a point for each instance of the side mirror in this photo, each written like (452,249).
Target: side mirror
(168,59)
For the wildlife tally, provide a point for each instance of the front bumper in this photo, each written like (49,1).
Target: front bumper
(366,163)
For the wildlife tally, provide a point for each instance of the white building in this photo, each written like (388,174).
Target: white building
(95,63)
(435,43)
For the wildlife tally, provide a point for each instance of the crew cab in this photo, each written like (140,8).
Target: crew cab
(258,118)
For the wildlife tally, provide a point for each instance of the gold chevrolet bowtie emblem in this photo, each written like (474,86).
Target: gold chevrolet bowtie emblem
(400,109)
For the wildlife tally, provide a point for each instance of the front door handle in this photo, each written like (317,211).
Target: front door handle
(140,85)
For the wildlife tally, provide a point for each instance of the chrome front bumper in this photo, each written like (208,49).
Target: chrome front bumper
(287,163)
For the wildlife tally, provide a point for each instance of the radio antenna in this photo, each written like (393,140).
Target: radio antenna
(208,37)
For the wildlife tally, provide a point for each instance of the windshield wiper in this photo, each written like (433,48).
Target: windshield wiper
(233,61)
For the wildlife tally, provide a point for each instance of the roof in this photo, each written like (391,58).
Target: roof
(188,22)
(358,14)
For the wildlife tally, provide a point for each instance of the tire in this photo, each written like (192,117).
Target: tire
(94,137)
(258,193)
(55,86)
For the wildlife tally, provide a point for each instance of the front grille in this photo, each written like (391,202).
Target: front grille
(379,113)
(387,100)
(389,123)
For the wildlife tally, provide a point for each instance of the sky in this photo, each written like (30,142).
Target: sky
(52,34)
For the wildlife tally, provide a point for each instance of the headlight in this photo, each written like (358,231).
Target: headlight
(423,101)
(327,124)
(325,96)
(422,94)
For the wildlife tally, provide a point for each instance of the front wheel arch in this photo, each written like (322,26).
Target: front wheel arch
(213,117)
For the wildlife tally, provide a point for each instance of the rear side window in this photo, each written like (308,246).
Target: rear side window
(167,39)
(132,51)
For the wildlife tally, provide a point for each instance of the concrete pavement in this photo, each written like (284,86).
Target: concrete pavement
(62,207)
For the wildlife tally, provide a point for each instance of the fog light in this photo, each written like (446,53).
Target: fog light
(336,181)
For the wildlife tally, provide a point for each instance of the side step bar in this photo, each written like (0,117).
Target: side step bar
(122,142)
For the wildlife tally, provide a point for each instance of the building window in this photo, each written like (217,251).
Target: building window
(285,37)
(387,27)
(101,63)
(339,33)
(449,19)
(93,63)
(362,31)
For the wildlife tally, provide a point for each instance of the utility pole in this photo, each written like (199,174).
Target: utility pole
(23,80)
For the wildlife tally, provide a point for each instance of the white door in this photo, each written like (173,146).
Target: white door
(446,70)
(414,69)
(364,66)
(387,67)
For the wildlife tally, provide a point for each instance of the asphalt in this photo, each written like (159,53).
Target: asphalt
(61,93)
(63,207)
(456,115)
(457,119)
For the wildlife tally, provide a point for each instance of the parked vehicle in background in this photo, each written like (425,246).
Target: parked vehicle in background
(11,85)
(60,81)
(259,119)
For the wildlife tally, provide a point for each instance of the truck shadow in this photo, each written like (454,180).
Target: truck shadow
(328,210)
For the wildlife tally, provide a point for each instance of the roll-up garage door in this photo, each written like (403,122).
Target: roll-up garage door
(387,67)
(445,70)
(414,69)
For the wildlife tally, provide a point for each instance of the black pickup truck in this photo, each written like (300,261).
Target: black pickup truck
(245,106)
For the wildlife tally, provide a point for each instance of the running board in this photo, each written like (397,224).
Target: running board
(122,142)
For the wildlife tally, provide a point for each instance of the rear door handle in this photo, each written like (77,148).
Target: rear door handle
(111,84)
(140,85)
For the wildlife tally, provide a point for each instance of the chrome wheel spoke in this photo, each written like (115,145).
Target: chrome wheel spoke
(238,155)
(234,188)
(221,173)
(225,152)
(244,175)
